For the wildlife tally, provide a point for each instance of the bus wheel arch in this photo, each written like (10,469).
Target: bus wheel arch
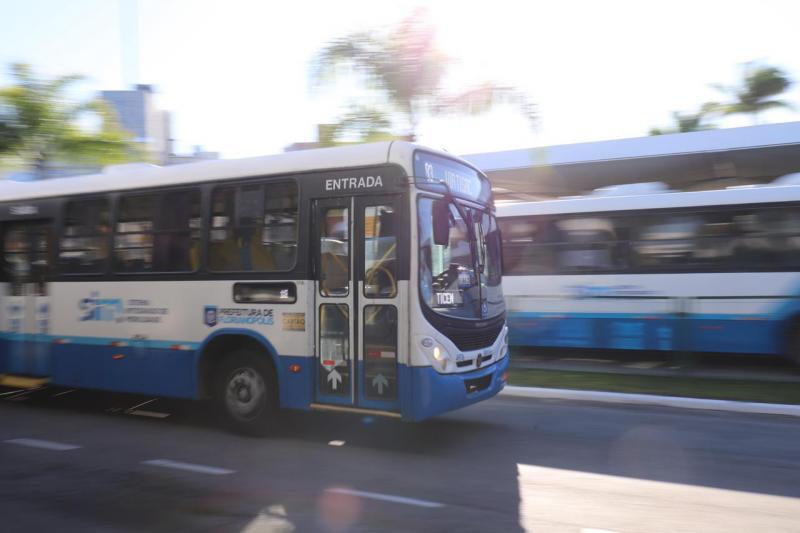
(222,345)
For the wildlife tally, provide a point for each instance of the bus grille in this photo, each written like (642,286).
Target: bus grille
(468,340)
(478,384)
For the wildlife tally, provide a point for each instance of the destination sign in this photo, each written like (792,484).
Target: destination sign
(462,180)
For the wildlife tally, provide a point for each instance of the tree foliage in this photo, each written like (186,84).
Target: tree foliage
(757,91)
(407,70)
(39,124)
(686,122)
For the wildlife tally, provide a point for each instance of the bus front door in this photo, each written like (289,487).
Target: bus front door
(335,368)
(356,303)
(26,305)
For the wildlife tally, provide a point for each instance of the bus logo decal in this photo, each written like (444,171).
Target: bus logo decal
(210,315)
(100,309)
(213,315)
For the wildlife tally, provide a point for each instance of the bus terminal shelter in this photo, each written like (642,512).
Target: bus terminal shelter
(710,159)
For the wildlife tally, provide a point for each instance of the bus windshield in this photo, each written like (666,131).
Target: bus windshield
(461,279)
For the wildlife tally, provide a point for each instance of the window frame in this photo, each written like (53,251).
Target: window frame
(208,216)
(634,267)
(157,192)
(57,249)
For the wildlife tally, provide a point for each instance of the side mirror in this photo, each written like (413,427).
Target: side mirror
(441,223)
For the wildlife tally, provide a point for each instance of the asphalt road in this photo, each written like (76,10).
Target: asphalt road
(85,461)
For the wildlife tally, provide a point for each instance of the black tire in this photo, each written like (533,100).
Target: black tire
(246,393)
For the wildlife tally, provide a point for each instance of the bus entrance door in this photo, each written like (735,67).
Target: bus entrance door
(357,307)
(26,305)
(335,368)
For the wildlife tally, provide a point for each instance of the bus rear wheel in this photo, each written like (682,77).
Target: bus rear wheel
(246,394)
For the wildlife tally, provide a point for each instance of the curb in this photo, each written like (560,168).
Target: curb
(650,399)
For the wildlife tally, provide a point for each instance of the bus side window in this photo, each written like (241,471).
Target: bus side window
(222,249)
(83,247)
(133,239)
(175,237)
(590,244)
(157,232)
(768,235)
(527,246)
(253,228)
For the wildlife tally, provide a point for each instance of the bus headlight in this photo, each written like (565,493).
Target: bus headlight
(437,354)
(441,356)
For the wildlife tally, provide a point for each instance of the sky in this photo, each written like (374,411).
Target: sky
(235,73)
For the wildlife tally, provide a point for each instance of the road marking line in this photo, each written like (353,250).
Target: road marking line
(130,409)
(336,443)
(19,394)
(12,392)
(43,444)
(385,497)
(189,467)
(151,414)
(62,393)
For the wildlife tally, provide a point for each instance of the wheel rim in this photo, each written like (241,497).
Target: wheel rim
(244,393)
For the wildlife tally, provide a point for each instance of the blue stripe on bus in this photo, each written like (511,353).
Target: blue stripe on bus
(734,333)
(426,393)
(96,341)
(164,371)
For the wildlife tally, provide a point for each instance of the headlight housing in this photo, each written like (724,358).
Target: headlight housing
(437,354)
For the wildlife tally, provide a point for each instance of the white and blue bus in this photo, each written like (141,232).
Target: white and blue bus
(362,279)
(639,267)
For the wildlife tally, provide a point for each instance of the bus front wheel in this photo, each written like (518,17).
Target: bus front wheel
(246,394)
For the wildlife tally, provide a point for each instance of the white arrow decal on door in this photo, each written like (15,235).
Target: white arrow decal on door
(380,382)
(334,378)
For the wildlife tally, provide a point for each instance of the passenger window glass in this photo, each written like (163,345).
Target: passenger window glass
(26,259)
(523,252)
(84,240)
(589,244)
(253,228)
(770,236)
(380,252)
(667,240)
(333,372)
(133,242)
(335,252)
(158,232)
(17,258)
(715,240)
(380,352)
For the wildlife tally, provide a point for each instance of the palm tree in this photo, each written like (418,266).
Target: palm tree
(39,124)
(360,124)
(761,83)
(686,122)
(405,69)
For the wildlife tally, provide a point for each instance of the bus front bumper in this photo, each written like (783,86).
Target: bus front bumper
(431,393)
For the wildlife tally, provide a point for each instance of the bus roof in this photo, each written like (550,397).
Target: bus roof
(664,200)
(139,175)
(727,156)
